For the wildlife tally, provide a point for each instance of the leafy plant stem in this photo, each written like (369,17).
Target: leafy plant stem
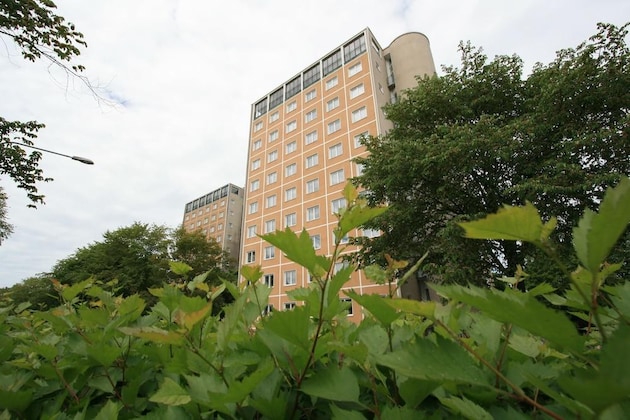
(506,341)
(520,394)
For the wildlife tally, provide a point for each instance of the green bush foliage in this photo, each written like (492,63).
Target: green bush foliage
(480,353)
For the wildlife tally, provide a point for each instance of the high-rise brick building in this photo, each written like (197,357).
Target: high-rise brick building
(304,135)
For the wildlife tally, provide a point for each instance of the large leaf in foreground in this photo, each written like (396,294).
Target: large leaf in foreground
(299,249)
(519,309)
(334,384)
(597,233)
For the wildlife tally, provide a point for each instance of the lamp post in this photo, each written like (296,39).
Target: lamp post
(77,158)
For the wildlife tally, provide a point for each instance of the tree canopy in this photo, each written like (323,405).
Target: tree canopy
(40,33)
(483,135)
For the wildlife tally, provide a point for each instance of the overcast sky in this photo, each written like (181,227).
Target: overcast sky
(181,77)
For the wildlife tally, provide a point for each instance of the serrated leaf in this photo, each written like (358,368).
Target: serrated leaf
(155,335)
(357,215)
(522,223)
(6,347)
(199,282)
(377,306)
(109,411)
(465,408)
(71,292)
(597,233)
(190,319)
(251,273)
(333,384)
(422,308)
(341,414)
(519,309)
(15,400)
(293,326)
(443,361)
(376,273)
(171,393)
(179,268)
(299,249)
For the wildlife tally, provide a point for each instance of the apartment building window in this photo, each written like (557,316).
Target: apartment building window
(312,160)
(212,229)
(251,256)
(310,116)
(268,280)
(291,126)
(213,217)
(338,204)
(270,252)
(276,98)
(255,164)
(312,213)
(254,185)
(260,108)
(289,305)
(291,106)
(331,63)
(220,227)
(334,151)
(274,117)
(219,238)
(273,136)
(257,145)
(311,137)
(290,278)
(290,194)
(348,302)
(273,155)
(358,139)
(371,233)
(270,201)
(310,95)
(359,114)
(354,48)
(355,69)
(311,75)
(356,91)
(359,169)
(290,147)
(337,177)
(258,126)
(290,220)
(272,177)
(221,215)
(290,169)
(317,241)
(267,310)
(270,226)
(334,126)
(332,104)
(312,186)
(331,83)
(340,266)
(293,87)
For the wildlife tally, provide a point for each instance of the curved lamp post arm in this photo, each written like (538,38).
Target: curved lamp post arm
(77,158)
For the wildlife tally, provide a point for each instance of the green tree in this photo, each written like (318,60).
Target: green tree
(5,227)
(38,290)
(200,253)
(40,33)
(482,136)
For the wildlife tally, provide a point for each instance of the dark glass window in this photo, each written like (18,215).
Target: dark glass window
(311,75)
(293,87)
(209,198)
(202,201)
(234,190)
(332,62)
(260,108)
(224,191)
(275,99)
(354,48)
(215,195)
(189,207)
(195,204)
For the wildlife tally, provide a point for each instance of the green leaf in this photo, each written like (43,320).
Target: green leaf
(155,335)
(15,400)
(71,292)
(333,383)
(190,319)
(609,385)
(511,223)
(171,393)
(376,273)
(293,326)
(109,411)
(179,268)
(104,353)
(357,215)
(465,408)
(443,361)
(341,414)
(377,306)
(299,249)
(400,413)
(422,308)
(597,233)
(6,348)
(251,273)
(519,309)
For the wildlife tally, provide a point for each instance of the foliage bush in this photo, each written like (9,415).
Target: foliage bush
(481,353)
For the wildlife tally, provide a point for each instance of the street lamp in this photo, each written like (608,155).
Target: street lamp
(77,158)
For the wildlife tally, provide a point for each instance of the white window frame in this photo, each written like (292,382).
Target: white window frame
(291,126)
(357,139)
(337,177)
(312,186)
(258,126)
(337,204)
(312,213)
(335,150)
(271,201)
(290,170)
(333,126)
(311,137)
(331,83)
(270,226)
(270,252)
(251,231)
(272,156)
(273,136)
(316,241)
(255,164)
(257,144)
(268,280)
(290,220)
(274,116)
(359,114)
(272,178)
(291,106)
(332,104)
(312,160)
(290,147)
(355,69)
(254,185)
(310,95)
(290,277)
(250,257)
(290,194)
(357,91)
(310,115)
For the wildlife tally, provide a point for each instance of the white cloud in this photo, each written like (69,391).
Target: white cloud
(185,74)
